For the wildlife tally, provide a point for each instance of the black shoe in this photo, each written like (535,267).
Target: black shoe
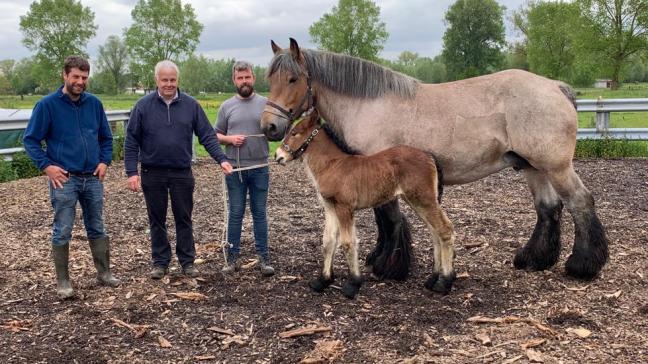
(158,272)
(191,271)
(265,267)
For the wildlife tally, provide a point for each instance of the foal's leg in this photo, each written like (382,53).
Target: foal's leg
(543,248)
(349,243)
(590,251)
(443,236)
(392,257)
(329,245)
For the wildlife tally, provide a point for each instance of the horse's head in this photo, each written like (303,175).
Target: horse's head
(290,90)
(298,138)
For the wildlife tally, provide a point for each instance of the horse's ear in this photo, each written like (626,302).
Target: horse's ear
(294,49)
(275,48)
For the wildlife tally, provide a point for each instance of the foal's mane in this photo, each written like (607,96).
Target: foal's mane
(347,75)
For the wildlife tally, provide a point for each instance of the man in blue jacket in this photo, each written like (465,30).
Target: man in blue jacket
(74,127)
(160,132)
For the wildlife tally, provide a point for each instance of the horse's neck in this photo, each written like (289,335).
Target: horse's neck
(322,152)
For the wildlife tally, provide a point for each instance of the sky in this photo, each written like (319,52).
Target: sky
(242,29)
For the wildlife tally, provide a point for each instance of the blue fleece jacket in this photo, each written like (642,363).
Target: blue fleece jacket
(77,135)
(161,135)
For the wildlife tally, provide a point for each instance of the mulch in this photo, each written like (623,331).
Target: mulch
(493,314)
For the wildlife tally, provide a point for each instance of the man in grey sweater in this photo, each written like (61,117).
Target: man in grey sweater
(238,127)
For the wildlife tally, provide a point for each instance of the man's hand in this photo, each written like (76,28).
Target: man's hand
(237,140)
(226,167)
(57,175)
(101,171)
(134,183)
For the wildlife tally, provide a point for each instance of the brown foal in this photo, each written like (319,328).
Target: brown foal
(346,183)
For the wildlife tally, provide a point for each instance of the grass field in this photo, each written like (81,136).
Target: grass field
(211,103)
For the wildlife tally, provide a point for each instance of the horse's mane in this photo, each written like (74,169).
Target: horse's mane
(347,75)
(337,140)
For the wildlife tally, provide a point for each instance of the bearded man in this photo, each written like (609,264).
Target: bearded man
(239,128)
(74,127)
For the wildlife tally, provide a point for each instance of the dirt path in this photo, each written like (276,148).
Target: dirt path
(538,316)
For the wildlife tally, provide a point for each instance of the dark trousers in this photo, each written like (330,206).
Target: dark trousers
(158,184)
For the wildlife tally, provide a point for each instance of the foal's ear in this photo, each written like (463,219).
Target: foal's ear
(294,49)
(275,48)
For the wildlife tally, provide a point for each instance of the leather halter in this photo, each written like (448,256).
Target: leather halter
(302,148)
(308,99)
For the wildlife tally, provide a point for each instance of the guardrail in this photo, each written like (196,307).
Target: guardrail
(602,108)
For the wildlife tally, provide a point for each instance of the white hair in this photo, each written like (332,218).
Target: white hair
(166,64)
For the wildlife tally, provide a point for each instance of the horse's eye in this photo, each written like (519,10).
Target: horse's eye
(292,80)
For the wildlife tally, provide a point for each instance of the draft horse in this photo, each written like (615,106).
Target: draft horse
(346,183)
(474,127)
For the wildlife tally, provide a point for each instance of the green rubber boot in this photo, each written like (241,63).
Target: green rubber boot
(61,256)
(100,249)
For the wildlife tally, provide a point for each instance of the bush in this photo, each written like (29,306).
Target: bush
(118,144)
(23,166)
(7,173)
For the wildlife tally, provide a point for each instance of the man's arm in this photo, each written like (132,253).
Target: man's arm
(132,142)
(207,138)
(221,130)
(36,131)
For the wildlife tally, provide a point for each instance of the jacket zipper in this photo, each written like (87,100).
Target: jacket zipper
(85,144)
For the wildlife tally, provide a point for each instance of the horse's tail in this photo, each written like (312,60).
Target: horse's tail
(439,173)
(569,92)
(392,257)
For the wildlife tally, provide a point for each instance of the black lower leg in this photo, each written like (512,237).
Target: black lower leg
(351,287)
(543,248)
(590,252)
(321,283)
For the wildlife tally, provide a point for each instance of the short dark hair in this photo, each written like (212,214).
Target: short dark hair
(76,62)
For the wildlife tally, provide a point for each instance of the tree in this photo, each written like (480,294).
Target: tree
(55,29)
(23,81)
(352,27)
(550,33)
(6,71)
(162,29)
(193,74)
(113,59)
(617,29)
(473,42)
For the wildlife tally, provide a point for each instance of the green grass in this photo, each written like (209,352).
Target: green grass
(617,119)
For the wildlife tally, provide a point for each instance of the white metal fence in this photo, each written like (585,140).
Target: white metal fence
(17,120)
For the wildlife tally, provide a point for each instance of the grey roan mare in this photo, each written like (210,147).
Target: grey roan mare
(474,127)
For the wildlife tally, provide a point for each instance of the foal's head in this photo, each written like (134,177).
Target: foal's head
(298,138)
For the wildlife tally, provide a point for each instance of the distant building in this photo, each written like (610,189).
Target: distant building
(603,83)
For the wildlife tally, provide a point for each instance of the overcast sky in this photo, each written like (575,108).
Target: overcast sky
(242,29)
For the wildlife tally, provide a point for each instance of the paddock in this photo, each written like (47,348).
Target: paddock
(493,314)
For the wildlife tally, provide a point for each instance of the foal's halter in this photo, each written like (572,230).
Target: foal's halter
(308,99)
(302,148)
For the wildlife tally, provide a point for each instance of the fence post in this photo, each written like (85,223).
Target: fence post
(602,118)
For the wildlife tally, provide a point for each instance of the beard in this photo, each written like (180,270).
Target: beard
(74,90)
(245,90)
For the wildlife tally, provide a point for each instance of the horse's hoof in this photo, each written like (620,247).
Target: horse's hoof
(320,283)
(534,262)
(351,287)
(582,266)
(439,283)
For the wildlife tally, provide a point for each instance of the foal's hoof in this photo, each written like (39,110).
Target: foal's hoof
(320,283)
(524,259)
(351,287)
(439,283)
(583,266)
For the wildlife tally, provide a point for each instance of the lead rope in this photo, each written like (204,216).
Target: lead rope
(224,243)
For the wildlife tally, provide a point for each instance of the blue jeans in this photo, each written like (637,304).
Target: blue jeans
(254,181)
(88,191)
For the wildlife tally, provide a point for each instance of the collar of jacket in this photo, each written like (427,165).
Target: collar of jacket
(176,99)
(66,97)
